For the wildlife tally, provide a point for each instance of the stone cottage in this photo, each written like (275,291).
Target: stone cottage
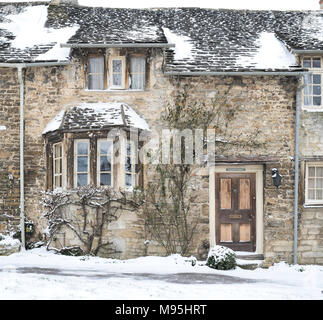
(71,75)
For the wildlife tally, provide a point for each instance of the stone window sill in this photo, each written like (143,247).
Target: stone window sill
(312,109)
(313,205)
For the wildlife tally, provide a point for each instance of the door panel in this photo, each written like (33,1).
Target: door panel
(244,201)
(225,194)
(235,195)
(226,232)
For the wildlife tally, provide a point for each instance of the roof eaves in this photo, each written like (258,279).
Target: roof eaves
(117,45)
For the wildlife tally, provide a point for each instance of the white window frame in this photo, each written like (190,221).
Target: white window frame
(75,161)
(307,200)
(54,166)
(98,163)
(123,72)
(103,72)
(315,71)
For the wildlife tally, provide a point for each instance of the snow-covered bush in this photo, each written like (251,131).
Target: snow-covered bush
(221,258)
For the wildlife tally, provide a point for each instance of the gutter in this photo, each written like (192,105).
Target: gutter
(33,64)
(117,45)
(238,73)
(20,67)
(300,51)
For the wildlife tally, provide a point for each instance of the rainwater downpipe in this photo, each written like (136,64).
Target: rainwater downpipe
(296,163)
(22,175)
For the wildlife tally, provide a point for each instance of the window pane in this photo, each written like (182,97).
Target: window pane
(81,179)
(58,166)
(128,164)
(307,79)
(82,148)
(58,181)
(96,73)
(129,180)
(317,90)
(311,171)
(96,82)
(311,194)
(105,163)
(319,183)
(307,101)
(117,66)
(319,195)
(116,79)
(319,172)
(105,147)
(316,79)
(128,149)
(82,164)
(311,183)
(96,65)
(105,179)
(316,101)
(316,63)
(58,150)
(137,72)
(306,62)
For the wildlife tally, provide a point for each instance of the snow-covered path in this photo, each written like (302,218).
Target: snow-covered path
(37,274)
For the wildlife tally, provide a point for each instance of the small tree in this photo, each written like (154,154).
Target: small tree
(167,209)
(86,211)
(168,198)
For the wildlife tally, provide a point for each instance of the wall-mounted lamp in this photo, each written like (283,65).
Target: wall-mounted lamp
(277,178)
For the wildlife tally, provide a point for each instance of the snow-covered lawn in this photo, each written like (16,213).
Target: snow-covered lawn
(38,274)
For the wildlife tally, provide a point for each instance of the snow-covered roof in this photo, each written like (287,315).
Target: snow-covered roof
(95,116)
(206,40)
(24,35)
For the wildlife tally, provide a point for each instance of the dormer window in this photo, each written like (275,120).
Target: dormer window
(312,92)
(116,72)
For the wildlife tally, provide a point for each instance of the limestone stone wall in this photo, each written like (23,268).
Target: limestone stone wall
(263,125)
(310,245)
(9,150)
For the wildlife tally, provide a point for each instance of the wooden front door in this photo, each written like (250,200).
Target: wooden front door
(235,195)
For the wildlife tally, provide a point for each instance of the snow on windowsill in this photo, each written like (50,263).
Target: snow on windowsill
(313,206)
(312,109)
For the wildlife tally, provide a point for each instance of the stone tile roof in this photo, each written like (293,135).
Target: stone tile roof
(96,116)
(216,39)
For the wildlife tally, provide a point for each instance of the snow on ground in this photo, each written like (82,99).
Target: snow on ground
(147,278)
(8,241)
